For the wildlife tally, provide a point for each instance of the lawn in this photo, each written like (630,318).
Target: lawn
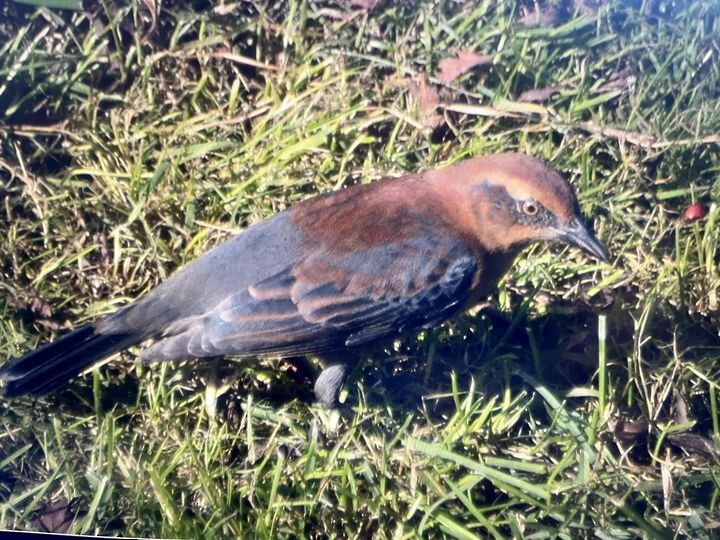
(134,137)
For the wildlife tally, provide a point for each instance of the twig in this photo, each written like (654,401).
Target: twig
(649,142)
(27,130)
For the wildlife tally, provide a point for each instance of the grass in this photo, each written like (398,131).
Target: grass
(132,141)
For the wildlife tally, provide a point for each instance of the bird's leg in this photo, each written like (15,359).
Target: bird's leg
(500,321)
(491,311)
(331,380)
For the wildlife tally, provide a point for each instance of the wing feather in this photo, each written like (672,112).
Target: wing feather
(327,302)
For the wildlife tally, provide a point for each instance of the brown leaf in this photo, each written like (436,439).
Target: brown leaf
(618,80)
(631,433)
(681,409)
(693,443)
(364,4)
(539,95)
(58,516)
(452,67)
(548,17)
(428,100)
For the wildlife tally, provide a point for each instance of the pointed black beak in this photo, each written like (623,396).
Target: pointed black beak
(576,234)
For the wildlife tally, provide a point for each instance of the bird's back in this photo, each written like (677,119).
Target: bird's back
(255,254)
(312,278)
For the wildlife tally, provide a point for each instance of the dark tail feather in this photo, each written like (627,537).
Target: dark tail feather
(50,366)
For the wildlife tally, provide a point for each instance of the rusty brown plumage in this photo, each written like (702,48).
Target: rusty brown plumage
(335,272)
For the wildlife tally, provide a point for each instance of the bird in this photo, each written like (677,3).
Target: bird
(335,273)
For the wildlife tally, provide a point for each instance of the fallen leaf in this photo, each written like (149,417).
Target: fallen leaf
(428,99)
(548,17)
(58,516)
(463,61)
(630,433)
(364,4)
(681,410)
(617,80)
(539,95)
(693,443)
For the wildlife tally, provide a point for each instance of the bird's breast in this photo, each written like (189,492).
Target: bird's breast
(491,268)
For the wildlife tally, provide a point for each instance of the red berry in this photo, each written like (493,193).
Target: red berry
(694,212)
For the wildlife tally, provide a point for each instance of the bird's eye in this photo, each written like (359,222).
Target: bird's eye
(531,208)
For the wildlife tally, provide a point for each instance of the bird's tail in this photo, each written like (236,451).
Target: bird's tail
(48,367)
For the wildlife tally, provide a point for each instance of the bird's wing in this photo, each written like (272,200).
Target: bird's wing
(328,301)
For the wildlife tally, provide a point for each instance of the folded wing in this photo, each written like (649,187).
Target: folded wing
(329,301)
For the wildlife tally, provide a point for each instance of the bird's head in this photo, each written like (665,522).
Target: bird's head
(516,199)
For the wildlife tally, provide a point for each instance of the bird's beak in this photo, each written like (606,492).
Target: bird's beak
(576,234)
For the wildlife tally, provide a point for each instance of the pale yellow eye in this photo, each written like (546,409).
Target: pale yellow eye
(531,208)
